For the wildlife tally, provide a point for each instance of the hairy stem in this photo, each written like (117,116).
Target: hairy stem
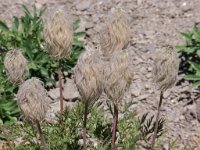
(84,126)
(42,138)
(60,86)
(157,119)
(114,126)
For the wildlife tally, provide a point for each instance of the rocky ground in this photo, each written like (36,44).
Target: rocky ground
(154,24)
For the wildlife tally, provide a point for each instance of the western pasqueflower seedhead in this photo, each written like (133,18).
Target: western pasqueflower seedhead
(117,76)
(16,66)
(88,76)
(116,36)
(33,99)
(165,69)
(58,35)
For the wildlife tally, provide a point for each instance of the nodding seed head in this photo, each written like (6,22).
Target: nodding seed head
(116,36)
(165,68)
(16,66)
(117,76)
(33,99)
(58,35)
(88,76)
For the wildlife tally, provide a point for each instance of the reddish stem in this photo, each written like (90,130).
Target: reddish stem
(84,126)
(42,138)
(61,87)
(157,119)
(115,120)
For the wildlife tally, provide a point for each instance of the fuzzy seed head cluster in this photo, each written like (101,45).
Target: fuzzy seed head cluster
(116,36)
(58,35)
(16,66)
(117,76)
(165,69)
(88,76)
(33,99)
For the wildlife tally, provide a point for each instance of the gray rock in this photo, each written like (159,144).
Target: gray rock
(136,92)
(70,91)
(83,5)
(54,93)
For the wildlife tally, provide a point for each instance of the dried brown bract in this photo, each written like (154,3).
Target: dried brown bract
(117,76)
(58,34)
(16,66)
(88,76)
(33,99)
(165,69)
(116,36)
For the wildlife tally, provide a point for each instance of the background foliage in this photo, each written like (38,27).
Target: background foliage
(190,54)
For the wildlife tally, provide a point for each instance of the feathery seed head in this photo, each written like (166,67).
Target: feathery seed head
(88,76)
(165,69)
(116,36)
(118,76)
(58,35)
(33,99)
(16,66)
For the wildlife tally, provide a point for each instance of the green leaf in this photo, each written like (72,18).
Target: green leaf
(188,36)
(196,67)
(186,49)
(15,24)
(196,84)
(76,24)
(192,77)
(3,26)
(79,34)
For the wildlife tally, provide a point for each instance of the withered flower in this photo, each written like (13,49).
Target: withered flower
(16,66)
(165,69)
(58,35)
(33,99)
(117,76)
(116,36)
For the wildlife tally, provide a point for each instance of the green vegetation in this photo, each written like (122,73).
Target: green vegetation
(66,132)
(190,54)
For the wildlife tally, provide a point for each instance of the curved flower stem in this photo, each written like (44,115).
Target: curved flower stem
(84,126)
(60,86)
(42,138)
(114,126)
(157,119)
